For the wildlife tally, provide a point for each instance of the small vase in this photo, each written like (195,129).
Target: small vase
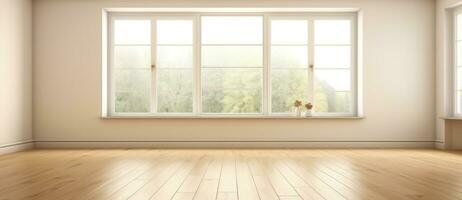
(298,112)
(308,113)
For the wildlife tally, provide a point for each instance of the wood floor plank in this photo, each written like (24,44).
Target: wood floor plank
(168,190)
(227,196)
(207,190)
(281,186)
(264,188)
(228,175)
(245,183)
(208,187)
(194,179)
(156,182)
(183,196)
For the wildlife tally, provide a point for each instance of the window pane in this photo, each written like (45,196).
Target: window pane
(174,32)
(459,78)
(459,27)
(232,30)
(328,100)
(232,56)
(286,87)
(332,56)
(459,102)
(132,89)
(289,56)
(175,89)
(132,56)
(236,78)
(231,101)
(232,90)
(132,79)
(132,32)
(335,80)
(459,53)
(174,56)
(332,32)
(132,102)
(289,32)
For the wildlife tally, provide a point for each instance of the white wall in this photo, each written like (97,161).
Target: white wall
(399,89)
(15,73)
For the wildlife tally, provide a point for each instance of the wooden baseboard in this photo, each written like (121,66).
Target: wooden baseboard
(15,147)
(440,145)
(235,144)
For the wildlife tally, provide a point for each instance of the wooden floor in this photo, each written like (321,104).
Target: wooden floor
(231,174)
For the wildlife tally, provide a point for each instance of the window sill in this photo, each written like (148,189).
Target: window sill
(452,118)
(228,117)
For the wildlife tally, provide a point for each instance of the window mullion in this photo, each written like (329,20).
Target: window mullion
(197,102)
(153,65)
(266,67)
(310,60)
(111,85)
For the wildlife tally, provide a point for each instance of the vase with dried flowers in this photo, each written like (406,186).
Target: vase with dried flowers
(298,105)
(309,108)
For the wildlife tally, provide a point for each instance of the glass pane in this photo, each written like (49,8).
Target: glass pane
(332,32)
(175,88)
(335,80)
(459,27)
(232,56)
(174,32)
(235,79)
(231,101)
(459,102)
(328,100)
(132,31)
(232,90)
(459,53)
(332,56)
(132,56)
(289,32)
(459,78)
(132,101)
(174,56)
(286,87)
(289,56)
(138,80)
(132,89)
(232,30)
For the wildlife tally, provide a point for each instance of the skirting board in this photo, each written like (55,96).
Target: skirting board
(440,145)
(235,144)
(15,147)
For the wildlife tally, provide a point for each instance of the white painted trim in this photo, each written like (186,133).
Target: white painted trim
(236,144)
(454,51)
(230,9)
(16,147)
(104,64)
(440,144)
(231,116)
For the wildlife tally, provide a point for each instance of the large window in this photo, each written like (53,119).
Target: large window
(254,64)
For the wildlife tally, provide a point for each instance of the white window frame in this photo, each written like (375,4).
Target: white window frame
(109,106)
(454,77)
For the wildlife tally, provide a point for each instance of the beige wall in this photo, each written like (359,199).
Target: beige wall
(399,89)
(15,72)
